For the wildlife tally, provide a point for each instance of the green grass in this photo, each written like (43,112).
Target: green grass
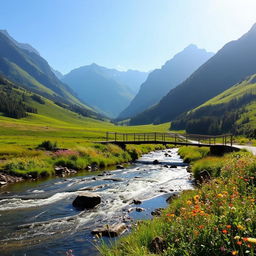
(19,139)
(190,154)
(218,218)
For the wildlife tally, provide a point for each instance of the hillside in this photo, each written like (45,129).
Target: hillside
(234,111)
(24,66)
(107,90)
(161,81)
(235,61)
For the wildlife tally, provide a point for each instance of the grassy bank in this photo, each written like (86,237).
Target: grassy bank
(19,161)
(217,218)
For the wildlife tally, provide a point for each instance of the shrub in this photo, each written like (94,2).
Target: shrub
(48,145)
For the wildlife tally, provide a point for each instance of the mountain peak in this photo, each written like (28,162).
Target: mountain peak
(191,47)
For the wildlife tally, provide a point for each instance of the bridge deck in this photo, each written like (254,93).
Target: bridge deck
(168,138)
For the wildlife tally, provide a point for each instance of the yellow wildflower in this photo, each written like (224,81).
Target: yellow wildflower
(251,240)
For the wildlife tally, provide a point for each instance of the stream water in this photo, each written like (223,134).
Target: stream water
(37,218)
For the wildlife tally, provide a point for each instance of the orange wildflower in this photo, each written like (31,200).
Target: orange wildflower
(224,231)
(234,252)
(239,242)
(228,226)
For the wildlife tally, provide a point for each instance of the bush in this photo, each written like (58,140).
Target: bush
(48,145)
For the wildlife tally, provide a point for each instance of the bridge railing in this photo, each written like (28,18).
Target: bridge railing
(226,139)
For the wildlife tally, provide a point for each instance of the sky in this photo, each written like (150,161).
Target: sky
(123,34)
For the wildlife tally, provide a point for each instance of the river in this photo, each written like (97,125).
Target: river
(37,217)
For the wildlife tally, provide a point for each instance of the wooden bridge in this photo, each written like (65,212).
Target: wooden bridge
(222,143)
(168,138)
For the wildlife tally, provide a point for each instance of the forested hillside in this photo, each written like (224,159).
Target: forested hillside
(234,111)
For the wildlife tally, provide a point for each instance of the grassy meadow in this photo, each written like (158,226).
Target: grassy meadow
(20,138)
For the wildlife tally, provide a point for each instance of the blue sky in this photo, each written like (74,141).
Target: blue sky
(123,34)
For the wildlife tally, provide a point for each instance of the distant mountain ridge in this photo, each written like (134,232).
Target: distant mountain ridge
(161,81)
(235,61)
(107,90)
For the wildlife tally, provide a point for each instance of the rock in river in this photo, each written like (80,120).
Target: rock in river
(110,231)
(156,162)
(86,200)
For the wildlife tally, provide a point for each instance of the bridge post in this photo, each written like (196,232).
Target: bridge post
(106,136)
(155,136)
(231,140)
(115,136)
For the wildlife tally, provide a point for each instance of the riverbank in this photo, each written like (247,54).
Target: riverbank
(18,164)
(217,218)
(38,217)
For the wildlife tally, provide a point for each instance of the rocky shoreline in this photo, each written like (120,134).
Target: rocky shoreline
(6,179)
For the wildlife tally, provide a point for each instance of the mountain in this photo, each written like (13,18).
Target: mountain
(23,46)
(107,90)
(231,111)
(19,102)
(235,61)
(131,78)
(161,81)
(29,70)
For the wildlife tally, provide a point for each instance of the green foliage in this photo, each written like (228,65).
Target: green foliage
(190,153)
(212,165)
(13,101)
(48,145)
(37,98)
(27,166)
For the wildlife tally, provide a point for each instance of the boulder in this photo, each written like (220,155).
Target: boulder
(157,212)
(139,209)
(204,176)
(157,245)
(171,197)
(86,200)
(166,166)
(62,171)
(110,231)
(2,183)
(156,162)
(173,166)
(119,167)
(136,201)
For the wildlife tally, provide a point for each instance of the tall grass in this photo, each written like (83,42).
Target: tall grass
(190,153)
